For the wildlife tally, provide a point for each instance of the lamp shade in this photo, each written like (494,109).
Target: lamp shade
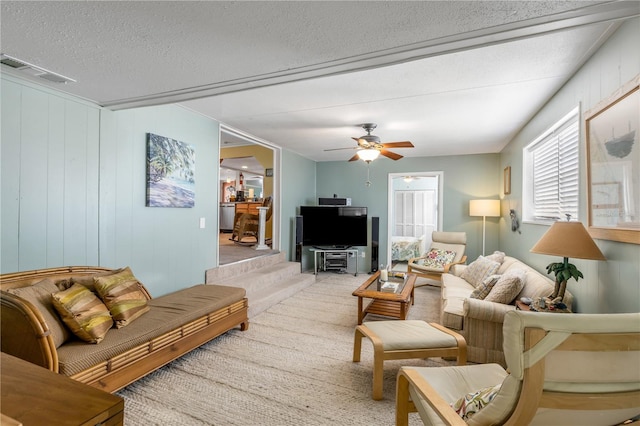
(368,154)
(488,208)
(568,239)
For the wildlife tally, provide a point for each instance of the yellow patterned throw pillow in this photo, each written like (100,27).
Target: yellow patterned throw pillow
(82,311)
(122,294)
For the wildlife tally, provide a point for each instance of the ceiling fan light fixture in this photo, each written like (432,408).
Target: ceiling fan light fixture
(368,154)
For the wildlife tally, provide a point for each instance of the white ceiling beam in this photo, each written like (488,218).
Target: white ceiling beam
(606,12)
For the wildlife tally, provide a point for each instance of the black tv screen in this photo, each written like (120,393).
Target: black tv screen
(334,226)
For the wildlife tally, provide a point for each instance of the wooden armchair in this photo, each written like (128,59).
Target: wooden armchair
(563,369)
(247,224)
(453,241)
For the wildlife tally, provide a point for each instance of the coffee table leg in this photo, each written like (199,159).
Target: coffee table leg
(360,312)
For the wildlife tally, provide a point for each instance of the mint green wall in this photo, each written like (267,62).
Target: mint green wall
(74,185)
(298,188)
(465,177)
(614,285)
(165,247)
(50,165)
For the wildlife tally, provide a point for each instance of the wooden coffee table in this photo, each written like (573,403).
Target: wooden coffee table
(389,304)
(32,395)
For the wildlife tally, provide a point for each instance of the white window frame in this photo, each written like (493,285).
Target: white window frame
(558,173)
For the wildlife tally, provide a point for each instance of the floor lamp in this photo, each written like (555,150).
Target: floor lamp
(484,208)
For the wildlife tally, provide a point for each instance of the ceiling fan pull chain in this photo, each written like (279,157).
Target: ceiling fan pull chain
(368,182)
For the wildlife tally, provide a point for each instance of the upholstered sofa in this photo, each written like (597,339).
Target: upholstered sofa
(480,321)
(164,328)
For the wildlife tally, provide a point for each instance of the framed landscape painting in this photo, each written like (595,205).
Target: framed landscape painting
(613,166)
(170,172)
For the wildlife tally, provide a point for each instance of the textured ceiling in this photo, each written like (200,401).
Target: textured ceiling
(452,77)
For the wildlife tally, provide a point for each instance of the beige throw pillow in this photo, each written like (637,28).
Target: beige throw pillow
(122,295)
(508,287)
(82,311)
(479,270)
(497,256)
(483,289)
(39,295)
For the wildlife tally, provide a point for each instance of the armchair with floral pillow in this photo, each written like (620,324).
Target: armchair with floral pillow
(447,249)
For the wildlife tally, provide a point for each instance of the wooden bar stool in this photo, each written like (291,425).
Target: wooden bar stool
(406,340)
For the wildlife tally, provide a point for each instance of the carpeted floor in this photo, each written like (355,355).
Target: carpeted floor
(292,367)
(230,252)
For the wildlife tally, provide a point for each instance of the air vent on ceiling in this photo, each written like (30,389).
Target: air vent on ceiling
(33,70)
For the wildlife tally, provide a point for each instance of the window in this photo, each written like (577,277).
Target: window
(551,172)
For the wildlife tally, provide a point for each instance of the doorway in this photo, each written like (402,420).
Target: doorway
(415,211)
(260,180)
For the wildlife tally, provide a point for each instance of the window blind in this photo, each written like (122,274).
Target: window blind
(555,172)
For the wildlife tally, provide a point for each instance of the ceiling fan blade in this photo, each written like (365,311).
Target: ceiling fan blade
(339,149)
(403,144)
(354,158)
(390,154)
(362,143)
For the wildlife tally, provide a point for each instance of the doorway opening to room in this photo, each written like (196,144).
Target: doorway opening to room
(415,211)
(248,177)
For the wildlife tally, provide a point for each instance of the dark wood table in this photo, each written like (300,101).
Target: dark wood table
(389,304)
(32,395)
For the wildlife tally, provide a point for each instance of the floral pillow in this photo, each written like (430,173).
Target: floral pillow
(436,258)
(405,250)
(473,402)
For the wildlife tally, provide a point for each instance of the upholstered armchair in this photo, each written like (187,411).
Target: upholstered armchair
(447,249)
(563,369)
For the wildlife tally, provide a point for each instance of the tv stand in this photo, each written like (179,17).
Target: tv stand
(335,259)
(330,248)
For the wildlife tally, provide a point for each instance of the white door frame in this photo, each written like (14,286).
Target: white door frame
(390,201)
(277,180)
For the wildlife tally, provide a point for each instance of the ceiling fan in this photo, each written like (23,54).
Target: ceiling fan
(369,146)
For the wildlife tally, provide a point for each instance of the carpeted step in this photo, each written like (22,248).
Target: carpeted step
(263,277)
(268,280)
(240,268)
(261,299)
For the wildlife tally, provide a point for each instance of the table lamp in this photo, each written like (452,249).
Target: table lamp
(484,208)
(566,239)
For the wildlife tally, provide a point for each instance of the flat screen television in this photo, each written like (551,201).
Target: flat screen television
(334,226)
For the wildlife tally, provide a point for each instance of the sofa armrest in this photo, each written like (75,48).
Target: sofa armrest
(25,333)
(448,266)
(457,268)
(486,311)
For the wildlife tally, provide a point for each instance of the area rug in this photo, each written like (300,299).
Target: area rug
(292,367)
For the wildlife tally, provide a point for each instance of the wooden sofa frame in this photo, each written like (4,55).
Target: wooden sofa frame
(19,317)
